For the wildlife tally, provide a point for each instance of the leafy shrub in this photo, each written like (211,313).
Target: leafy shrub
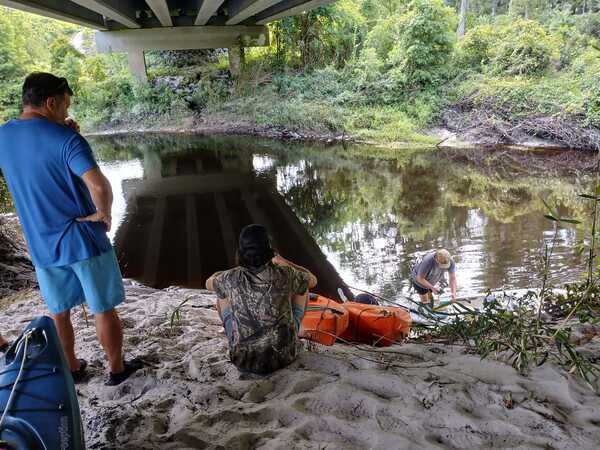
(524,48)
(475,49)
(383,36)
(121,98)
(325,35)
(417,44)
(586,70)
(426,43)
(10,100)
(590,24)
(571,39)
(520,47)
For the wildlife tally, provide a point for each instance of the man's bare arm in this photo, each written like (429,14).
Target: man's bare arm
(102,196)
(281,261)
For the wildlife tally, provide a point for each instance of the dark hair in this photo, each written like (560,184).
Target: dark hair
(40,86)
(254,249)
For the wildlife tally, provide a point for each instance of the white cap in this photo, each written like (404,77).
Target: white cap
(443,258)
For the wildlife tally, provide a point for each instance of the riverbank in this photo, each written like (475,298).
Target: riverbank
(448,135)
(201,126)
(432,396)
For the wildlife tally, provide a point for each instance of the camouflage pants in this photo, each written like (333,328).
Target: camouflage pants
(267,353)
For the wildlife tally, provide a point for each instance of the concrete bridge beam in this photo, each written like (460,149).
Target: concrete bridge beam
(112,9)
(160,8)
(208,9)
(182,38)
(241,10)
(288,8)
(60,10)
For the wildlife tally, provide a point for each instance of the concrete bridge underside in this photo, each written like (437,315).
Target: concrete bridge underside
(133,26)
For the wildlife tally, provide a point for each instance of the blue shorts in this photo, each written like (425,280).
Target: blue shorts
(96,281)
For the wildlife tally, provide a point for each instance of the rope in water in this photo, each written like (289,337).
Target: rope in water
(18,379)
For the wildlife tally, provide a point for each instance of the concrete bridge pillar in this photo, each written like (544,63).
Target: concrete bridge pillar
(137,65)
(236,61)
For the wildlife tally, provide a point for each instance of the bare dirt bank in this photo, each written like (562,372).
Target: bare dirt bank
(466,124)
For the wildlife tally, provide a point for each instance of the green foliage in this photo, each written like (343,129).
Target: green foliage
(325,35)
(13,63)
(507,328)
(589,24)
(521,47)
(386,124)
(586,71)
(122,99)
(475,49)
(572,94)
(420,56)
(5,199)
(21,54)
(525,49)
(415,44)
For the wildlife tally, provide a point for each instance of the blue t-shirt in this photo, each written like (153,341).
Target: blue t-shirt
(42,163)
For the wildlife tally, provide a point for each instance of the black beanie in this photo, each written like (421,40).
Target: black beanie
(254,247)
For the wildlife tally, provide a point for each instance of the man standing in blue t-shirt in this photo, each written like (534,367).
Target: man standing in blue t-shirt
(64,204)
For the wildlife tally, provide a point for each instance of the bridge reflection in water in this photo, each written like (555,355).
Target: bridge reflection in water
(184,217)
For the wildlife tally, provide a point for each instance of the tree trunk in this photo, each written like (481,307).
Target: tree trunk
(462,24)
(494,7)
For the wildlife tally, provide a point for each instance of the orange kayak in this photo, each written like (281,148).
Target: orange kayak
(324,320)
(376,325)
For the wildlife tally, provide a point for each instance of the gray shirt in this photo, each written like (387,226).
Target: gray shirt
(429,269)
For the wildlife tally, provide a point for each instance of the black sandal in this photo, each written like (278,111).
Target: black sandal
(79,375)
(131,367)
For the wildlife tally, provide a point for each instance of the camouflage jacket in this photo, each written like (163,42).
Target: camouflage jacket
(264,336)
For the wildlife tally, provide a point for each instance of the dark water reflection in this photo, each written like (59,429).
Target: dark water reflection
(373,217)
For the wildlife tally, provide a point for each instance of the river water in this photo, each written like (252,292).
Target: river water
(373,213)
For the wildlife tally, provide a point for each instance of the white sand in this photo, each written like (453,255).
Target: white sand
(413,396)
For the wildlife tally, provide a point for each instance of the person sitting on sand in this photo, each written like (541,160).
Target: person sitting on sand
(4,345)
(430,271)
(261,303)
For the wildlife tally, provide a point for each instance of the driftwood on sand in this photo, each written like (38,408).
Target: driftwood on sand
(16,270)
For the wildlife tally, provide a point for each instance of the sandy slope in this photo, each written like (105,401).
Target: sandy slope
(411,396)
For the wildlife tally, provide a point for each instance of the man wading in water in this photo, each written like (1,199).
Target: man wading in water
(430,271)
(64,204)
(261,303)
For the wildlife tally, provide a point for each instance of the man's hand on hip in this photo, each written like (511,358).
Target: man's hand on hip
(98,216)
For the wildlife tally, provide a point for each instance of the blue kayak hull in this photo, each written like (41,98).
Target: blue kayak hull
(44,412)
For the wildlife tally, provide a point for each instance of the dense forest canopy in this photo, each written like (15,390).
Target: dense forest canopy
(380,70)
